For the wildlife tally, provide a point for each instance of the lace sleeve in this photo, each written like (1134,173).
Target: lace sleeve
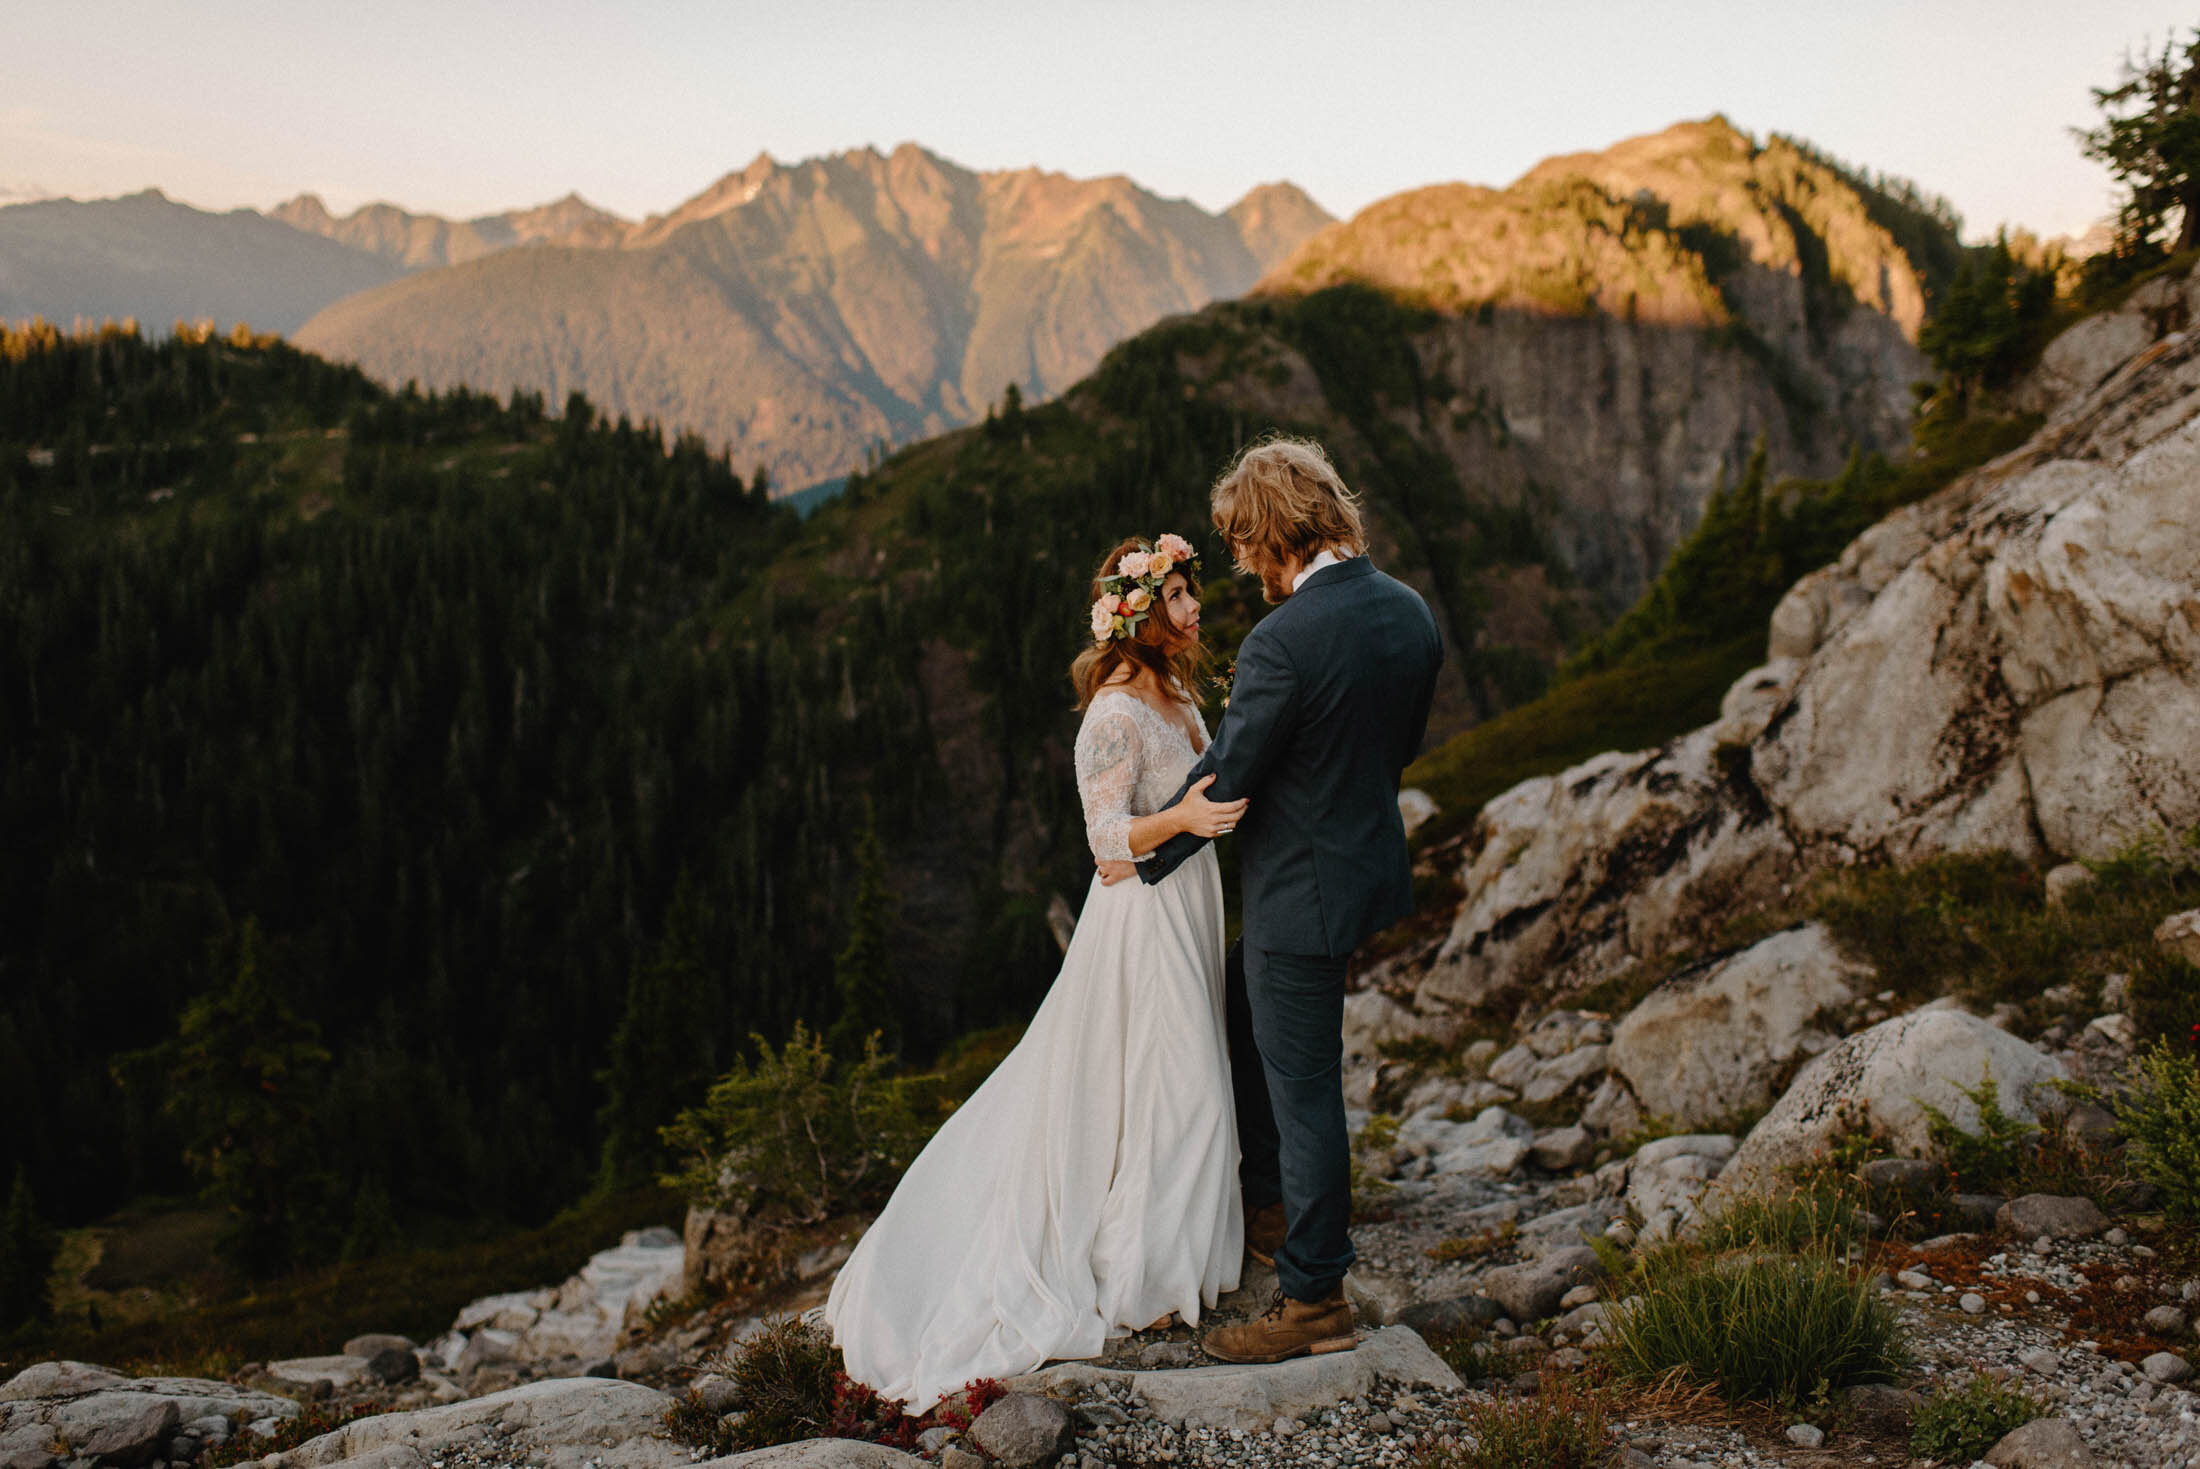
(1108,750)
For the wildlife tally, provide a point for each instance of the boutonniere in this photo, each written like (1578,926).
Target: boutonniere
(1228,681)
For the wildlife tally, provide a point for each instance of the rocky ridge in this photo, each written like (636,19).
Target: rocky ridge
(150,258)
(419,241)
(803,314)
(2008,666)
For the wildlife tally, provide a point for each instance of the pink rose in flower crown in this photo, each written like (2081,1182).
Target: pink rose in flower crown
(1133,565)
(1103,619)
(1111,601)
(1175,547)
(1138,599)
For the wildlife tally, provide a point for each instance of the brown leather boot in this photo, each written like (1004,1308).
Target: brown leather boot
(1264,1233)
(1286,1329)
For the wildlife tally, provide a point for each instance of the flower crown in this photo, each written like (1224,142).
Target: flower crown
(1127,597)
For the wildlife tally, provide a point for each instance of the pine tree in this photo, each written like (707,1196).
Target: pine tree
(660,1054)
(2149,138)
(373,1222)
(1978,329)
(863,974)
(242,1080)
(27,1250)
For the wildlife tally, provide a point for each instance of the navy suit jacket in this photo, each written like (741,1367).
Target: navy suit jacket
(1330,703)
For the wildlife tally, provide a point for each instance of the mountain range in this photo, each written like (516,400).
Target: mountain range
(417,241)
(798,315)
(803,315)
(158,261)
(149,258)
(1623,321)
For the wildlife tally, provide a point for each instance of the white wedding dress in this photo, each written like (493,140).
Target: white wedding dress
(1090,1186)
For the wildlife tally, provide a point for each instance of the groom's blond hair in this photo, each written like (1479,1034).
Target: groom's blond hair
(1283,500)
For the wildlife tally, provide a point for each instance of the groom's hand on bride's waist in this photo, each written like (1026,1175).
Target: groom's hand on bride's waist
(1112,873)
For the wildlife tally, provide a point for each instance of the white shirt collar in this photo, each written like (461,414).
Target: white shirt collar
(1327,556)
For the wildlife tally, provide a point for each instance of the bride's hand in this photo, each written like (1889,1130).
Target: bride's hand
(1204,818)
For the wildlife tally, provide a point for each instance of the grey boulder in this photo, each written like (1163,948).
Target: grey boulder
(835,1453)
(1886,1076)
(2166,1367)
(1451,1316)
(1911,1180)
(2179,934)
(58,1380)
(393,1365)
(2165,1321)
(2052,1215)
(2044,1443)
(560,1423)
(123,1428)
(1023,1430)
(339,1371)
(374,1342)
(1532,1290)
(1252,1398)
(1563,1149)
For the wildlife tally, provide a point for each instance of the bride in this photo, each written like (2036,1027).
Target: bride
(1090,1185)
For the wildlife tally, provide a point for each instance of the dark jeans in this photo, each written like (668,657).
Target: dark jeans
(1285,1015)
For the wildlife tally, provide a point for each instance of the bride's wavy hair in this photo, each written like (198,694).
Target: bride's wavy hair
(1155,644)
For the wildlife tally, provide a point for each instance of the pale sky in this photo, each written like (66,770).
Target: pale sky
(465,107)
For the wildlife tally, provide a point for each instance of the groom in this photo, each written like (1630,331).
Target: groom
(1329,704)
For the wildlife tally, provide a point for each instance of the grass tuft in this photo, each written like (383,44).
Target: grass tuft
(1561,1427)
(784,1376)
(1817,1215)
(1979,927)
(1762,1328)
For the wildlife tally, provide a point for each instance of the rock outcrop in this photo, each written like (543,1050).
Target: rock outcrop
(561,1330)
(1252,1398)
(1884,1078)
(584,1421)
(2009,666)
(1722,1037)
(85,1414)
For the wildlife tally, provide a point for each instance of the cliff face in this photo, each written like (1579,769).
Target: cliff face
(2012,666)
(1613,331)
(802,314)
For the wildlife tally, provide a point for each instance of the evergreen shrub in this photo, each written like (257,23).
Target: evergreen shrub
(27,1249)
(2161,1117)
(1957,1425)
(1994,1157)
(796,1137)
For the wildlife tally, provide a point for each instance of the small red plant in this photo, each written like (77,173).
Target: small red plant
(861,1413)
